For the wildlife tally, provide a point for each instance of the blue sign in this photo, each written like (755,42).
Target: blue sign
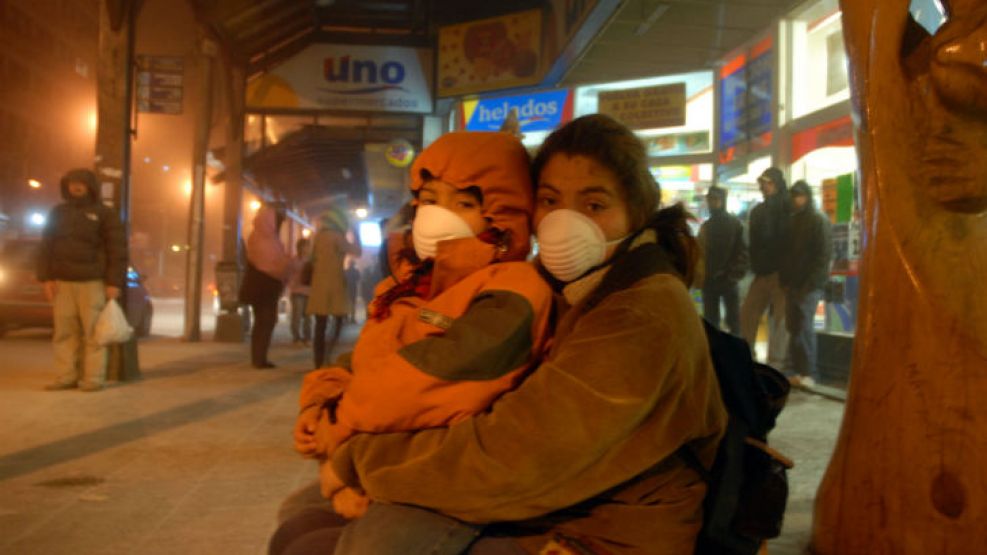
(733,101)
(542,111)
(759,96)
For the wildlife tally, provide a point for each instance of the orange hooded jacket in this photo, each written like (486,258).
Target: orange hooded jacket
(484,322)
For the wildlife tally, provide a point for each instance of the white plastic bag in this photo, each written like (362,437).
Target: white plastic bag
(112,325)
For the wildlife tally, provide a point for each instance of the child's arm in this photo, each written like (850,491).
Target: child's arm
(319,387)
(457,373)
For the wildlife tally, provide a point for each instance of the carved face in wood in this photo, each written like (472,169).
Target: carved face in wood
(922,102)
(948,74)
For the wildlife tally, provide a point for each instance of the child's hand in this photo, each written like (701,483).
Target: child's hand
(328,435)
(350,504)
(329,482)
(304,431)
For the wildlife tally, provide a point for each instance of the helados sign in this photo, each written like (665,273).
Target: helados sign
(542,111)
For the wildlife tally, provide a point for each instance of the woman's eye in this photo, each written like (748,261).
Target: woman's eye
(466,204)
(595,207)
(545,201)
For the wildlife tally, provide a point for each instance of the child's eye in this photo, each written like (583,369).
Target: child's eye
(467,204)
(546,201)
(426,201)
(595,206)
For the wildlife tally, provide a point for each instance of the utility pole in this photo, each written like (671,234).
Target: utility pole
(196,223)
(229,323)
(115,93)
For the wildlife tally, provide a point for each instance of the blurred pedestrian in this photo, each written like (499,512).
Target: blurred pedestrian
(268,268)
(298,288)
(82,261)
(722,239)
(328,299)
(803,275)
(352,287)
(769,222)
(369,278)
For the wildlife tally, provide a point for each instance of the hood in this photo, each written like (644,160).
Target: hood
(334,219)
(84,176)
(800,187)
(720,193)
(495,162)
(779,178)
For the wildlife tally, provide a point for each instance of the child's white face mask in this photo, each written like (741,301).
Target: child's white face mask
(433,224)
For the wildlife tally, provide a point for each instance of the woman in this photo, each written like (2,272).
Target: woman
(585,452)
(327,297)
(268,266)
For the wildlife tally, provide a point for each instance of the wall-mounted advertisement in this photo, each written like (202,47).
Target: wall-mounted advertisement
(348,77)
(746,102)
(541,111)
(653,107)
(490,54)
(676,144)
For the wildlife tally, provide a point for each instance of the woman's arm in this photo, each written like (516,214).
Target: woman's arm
(556,440)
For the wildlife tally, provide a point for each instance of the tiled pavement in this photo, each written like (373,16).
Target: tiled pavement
(195,457)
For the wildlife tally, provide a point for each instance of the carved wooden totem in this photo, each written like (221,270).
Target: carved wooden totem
(909,474)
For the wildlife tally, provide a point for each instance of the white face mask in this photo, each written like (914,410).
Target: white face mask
(570,243)
(433,224)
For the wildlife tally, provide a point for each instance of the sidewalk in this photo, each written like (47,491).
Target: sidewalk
(195,457)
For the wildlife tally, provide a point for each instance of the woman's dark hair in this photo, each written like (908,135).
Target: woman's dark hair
(613,146)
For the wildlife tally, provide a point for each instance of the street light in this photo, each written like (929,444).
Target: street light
(37,219)
(360,213)
(306,232)
(34,183)
(176,248)
(255,205)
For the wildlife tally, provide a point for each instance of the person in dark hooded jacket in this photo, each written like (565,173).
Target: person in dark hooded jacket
(725,253)
(803,274)
(82,261)
(768,244)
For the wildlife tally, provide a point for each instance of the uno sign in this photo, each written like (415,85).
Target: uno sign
(364,78)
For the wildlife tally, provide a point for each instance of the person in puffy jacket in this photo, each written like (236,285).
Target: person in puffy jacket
(803,275)
(461,321)
(268,270)
(82,262)
(725,253)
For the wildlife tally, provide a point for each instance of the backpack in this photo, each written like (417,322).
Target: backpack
(747,487)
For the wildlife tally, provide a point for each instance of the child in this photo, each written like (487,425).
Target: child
(460,321)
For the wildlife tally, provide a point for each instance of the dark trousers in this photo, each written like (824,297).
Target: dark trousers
(265,317)
(800,311)
(728,292)
(320,350)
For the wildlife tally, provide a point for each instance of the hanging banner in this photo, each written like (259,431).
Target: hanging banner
(490,54)
(646,107)
(747,102)
(348,77)
(760,84)
(733,101)
(542,111)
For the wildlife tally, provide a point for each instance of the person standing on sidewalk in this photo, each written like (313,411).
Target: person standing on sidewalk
(803,275)
(268,268)
(82,261)
(722,240)
(768,239)
(327,298)
(298,288)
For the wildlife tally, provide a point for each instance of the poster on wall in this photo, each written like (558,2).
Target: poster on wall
(646,107)
(541,111)
(733,101)
(348,77)
(490,54)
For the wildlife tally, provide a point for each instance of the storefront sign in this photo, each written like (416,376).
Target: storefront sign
(760,83)
(542,111)
(838,132)
(490,54)
(647,107)
(348,77)
(733,101)
(674,144)
(747,102)
(838,198)
(160,84)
